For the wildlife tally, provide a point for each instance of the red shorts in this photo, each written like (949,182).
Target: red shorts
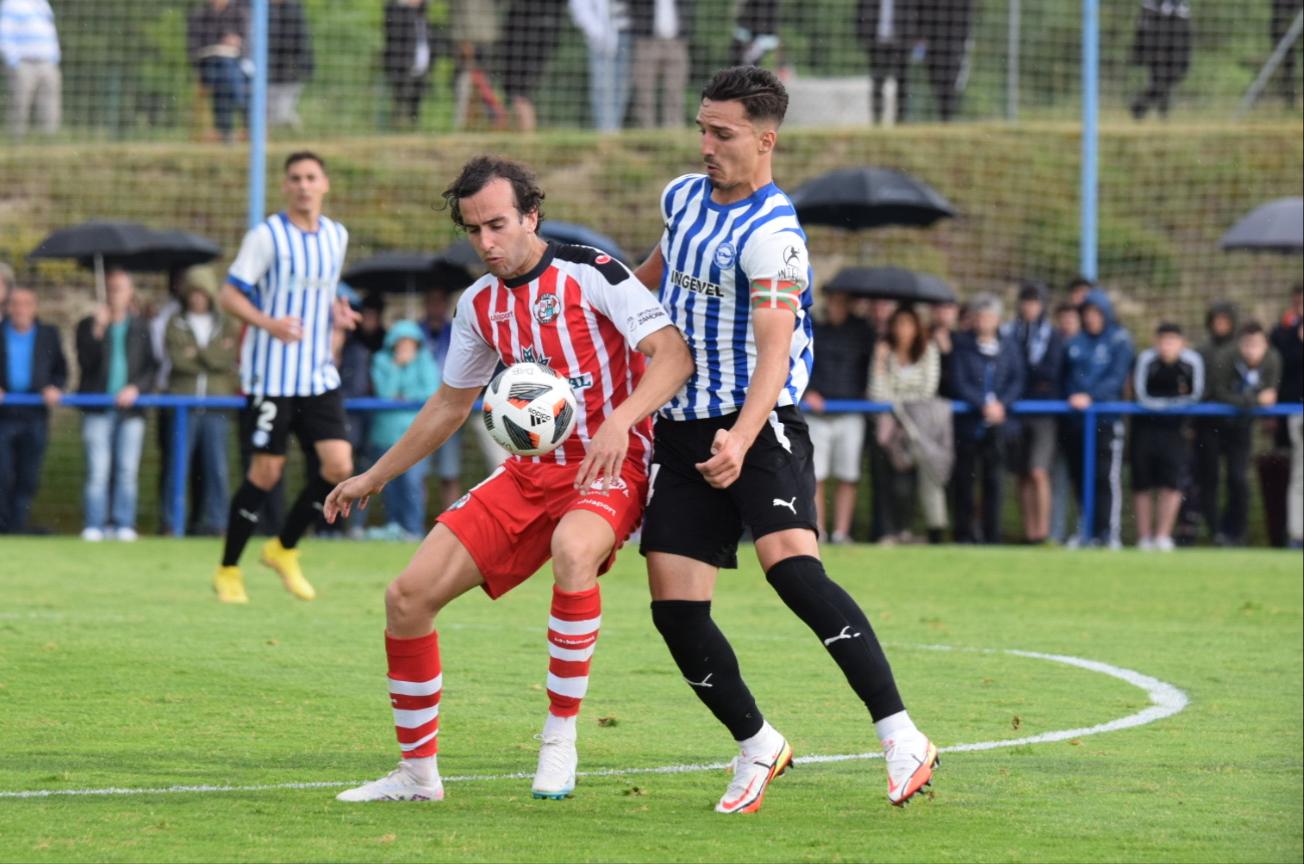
(507,521)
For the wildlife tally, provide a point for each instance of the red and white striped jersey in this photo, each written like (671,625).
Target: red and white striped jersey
(578,311)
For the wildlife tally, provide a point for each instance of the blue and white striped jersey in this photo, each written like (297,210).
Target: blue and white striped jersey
(287,271)
(720,261)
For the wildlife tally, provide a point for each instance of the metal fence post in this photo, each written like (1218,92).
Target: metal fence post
(258,114)
(1088,474)
(180,468)
(1090,137)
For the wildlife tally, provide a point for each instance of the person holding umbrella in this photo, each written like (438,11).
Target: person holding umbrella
(115,357)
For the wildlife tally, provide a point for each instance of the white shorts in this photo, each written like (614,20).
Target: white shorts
(838,441)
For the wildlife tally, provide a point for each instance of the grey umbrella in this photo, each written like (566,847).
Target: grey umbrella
(1277,226)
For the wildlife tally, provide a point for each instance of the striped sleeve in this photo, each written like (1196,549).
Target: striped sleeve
(257,255)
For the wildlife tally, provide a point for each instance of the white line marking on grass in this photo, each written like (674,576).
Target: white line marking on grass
(1165,701)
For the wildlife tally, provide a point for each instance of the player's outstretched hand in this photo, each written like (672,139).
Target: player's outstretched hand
(358,488)
(346,317)
(604,459)
(288,329)
(726,461)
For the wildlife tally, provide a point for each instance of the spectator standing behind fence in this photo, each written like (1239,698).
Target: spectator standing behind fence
(405,372)
(888,31)
(606,28)
(841,371)
(202,346)
(662,30)
(1096,364)
(215,42)
(1220,323)
(409,56)
(1067,325)
(1168,375)
(29,44)
(988,372)
(475,32)
(944,26)
(1162,48)
(31,361)
(289,61)
(531,30)
(115,357)
(1288,340)
(1245,375)
(906,370)
(1042,349)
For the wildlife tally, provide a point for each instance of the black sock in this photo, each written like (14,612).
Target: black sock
(305,510)
(708,663)
(241,521)
(843,628)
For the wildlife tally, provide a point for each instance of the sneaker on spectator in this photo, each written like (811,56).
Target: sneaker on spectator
(92,535)
(839,539)
(126,535)
(1146,544)
(1165,544)
(1074,542)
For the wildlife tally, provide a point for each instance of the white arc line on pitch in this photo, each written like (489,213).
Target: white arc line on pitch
(1165,701)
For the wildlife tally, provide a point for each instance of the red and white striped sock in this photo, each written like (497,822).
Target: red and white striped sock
(415,684)
(572,632)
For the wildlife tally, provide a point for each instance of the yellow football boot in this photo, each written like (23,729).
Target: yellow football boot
(286,563)
(229,585)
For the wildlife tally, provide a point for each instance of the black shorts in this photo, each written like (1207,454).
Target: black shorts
(1159,456)
(687,516)
(267,421)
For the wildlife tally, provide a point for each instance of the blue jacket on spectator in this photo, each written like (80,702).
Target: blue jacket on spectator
(1042,347)
(414,382)
(975,375)
(1098,365)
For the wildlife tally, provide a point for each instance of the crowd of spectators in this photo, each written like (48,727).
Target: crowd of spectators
(923,454)
(1076,352)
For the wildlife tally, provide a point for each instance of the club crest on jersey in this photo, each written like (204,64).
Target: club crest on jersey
(547,309)
(725,255)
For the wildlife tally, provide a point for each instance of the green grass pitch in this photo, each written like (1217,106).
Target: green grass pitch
(118,669)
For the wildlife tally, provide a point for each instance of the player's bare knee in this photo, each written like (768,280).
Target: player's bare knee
(337,472)
(575,560)
(264,475)
(406,601)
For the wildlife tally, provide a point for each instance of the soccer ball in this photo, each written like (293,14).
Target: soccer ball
(529,409)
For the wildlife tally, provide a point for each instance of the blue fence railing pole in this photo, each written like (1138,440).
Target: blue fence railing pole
(180,469)
(1090,136)
(258,114)
(1088,474)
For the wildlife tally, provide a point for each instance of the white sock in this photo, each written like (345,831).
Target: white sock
(763,742)
(424,770)
(559,727)
(893,725)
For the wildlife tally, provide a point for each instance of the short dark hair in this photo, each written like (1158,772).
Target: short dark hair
(1168,328)
(477,173)
(1061,308)
(1080,281)
(762,93)
(1251,328)
(304,156)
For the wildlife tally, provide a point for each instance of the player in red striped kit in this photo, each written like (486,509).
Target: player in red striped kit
(578,311)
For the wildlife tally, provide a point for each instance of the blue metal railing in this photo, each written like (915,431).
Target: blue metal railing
(181,406)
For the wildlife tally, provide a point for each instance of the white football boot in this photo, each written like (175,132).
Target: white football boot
(910,759)
(555,776)
(401,784)
(751,777)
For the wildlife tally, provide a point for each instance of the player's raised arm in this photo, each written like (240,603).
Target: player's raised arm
(441,416)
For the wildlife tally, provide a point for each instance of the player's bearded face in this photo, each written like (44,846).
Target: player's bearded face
(732,145)
(501,235)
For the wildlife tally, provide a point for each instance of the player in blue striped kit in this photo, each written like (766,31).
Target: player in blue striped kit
(732,449)
(282,285)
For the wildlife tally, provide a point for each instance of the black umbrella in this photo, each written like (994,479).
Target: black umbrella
(408,271)
(869,197)
(1277,226)
(891,283)
(108,243)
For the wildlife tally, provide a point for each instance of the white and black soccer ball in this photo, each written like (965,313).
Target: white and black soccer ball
(529,409)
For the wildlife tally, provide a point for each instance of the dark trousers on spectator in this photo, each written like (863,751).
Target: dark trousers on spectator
(407,93)
(1217,444)
(226,81)
(985,456)
(23,436)
(1106,516)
